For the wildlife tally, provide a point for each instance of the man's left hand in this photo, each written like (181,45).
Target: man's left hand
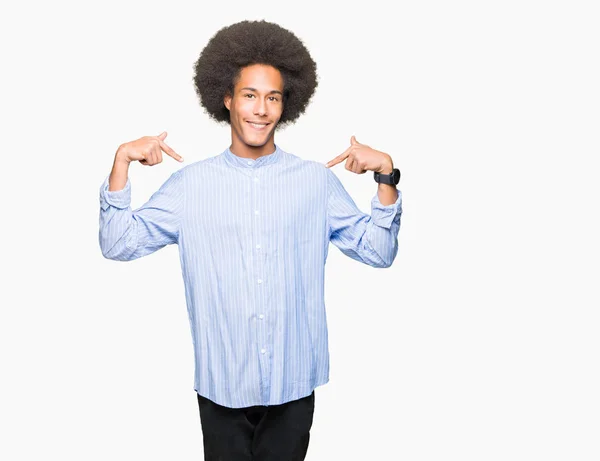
(360,158)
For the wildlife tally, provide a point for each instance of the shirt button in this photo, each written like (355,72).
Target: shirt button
(255,179)
(258,246)
(255,212)
(249,162)
(262,351)
(259,281)
(261,316)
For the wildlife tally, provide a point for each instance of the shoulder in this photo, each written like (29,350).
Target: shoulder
(199,166)
(306,165)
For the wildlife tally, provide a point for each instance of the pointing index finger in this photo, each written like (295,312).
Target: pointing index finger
(170,151)
(339,158)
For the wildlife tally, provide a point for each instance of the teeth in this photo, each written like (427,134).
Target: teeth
(257,125)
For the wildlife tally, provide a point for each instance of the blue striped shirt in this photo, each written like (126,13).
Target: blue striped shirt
(253,237)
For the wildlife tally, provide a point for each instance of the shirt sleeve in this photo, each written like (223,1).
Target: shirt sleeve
(127,234)
(370,239)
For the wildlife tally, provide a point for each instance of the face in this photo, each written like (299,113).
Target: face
(254,109)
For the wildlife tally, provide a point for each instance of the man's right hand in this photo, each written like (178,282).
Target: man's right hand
(147,150)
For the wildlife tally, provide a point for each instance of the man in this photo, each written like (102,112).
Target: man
(253,226)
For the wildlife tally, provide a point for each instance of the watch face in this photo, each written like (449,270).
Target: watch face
(396,175)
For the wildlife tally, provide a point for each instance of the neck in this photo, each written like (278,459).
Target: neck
(245,151)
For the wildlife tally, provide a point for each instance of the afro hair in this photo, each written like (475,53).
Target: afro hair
(254,42)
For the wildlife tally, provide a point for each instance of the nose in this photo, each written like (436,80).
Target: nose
(260,108)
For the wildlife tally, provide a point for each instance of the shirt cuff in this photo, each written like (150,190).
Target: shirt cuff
(117,198)
(384,215)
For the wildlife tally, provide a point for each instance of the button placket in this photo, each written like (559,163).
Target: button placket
(259,278)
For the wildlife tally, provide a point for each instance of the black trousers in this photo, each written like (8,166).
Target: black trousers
(258,433)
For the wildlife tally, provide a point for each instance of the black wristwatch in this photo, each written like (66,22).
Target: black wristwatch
(392,178)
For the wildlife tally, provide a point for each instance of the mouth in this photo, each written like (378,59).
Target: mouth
(259,126)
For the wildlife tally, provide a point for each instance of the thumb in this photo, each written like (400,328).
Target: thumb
(353,140)
(163,135)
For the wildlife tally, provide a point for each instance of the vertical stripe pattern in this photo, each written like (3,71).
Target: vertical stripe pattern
(253,238)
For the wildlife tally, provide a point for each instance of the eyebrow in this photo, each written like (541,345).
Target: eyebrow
(254,89)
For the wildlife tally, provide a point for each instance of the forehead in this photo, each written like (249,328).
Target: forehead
(260,76)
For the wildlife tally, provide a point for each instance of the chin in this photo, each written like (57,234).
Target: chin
(256,142)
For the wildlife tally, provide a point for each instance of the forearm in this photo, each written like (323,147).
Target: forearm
(382,233)
(371,239)
(387,193)
(127,234)
(118,234)
(118,175)
(115,222)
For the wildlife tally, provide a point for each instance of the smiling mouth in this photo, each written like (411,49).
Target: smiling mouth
(258,126)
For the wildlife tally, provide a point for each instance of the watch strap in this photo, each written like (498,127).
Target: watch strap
(392,178)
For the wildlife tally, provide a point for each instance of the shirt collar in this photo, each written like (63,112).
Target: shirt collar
(251,163)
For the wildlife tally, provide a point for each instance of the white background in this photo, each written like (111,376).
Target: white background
(480,342)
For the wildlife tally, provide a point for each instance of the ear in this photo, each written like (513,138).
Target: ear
(227,101)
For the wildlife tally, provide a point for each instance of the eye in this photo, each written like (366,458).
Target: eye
(249,95)
(274,98)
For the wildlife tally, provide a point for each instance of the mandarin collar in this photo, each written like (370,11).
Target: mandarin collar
(251,163)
